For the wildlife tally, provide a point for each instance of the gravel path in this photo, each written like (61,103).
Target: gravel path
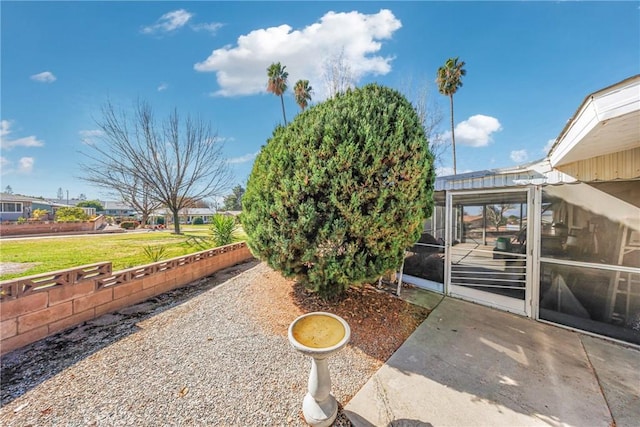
(205,362)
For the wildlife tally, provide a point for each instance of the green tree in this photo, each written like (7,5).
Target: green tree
(302,92)
(335,197)
(8,189)
(449,80)
(97,204)
(496,214)
(277,83)
(73,213)
(233,202)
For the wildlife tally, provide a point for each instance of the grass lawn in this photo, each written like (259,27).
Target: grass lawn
(123,250)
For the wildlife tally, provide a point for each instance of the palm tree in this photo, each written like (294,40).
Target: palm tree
(302,92)
(449,80)
(277,83)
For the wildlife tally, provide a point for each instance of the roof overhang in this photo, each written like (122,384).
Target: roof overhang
(608,121)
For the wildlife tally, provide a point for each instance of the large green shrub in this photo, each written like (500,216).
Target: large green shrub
(336,196)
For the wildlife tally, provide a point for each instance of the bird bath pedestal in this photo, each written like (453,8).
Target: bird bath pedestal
(319,335)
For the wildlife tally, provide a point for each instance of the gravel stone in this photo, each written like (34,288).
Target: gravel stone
(194,357)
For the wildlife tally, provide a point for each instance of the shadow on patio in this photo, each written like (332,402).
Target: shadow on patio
(472,365)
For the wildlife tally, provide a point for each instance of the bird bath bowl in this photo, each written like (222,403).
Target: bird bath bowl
(319,335)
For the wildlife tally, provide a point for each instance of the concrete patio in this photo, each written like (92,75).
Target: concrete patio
(472,365)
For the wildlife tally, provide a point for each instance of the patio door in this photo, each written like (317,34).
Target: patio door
(487,257)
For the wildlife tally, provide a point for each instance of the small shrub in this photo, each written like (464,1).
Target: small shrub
(198,221)
(223,229)
(160,220)
(155,253)
(71,214)
(22,220)
(40,214)
(129,225)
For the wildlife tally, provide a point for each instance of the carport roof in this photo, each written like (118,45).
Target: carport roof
(537,173)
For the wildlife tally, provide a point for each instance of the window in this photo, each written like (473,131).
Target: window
(11,207)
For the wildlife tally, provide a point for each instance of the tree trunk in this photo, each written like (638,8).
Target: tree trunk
(453,136)
(283,115)
(144,219)
(176,221)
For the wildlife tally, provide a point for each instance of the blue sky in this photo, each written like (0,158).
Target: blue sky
(529,66)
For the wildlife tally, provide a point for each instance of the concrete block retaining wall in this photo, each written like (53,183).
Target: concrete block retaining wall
(35,307)
(45,227)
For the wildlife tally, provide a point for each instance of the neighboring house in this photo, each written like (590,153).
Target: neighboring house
(186,215)
(571,253)
(189,215)
(13,207)
(230,213)
(118,209)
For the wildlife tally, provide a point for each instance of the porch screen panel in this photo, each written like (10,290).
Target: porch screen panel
(590,258)
(488,252)
(425,259)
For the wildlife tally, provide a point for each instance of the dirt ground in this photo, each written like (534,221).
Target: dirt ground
(380,322)
(15,267)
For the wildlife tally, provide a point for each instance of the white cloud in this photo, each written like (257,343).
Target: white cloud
(519,156)
(44,77)
(5,125)
(223,139)
(5,166)
(25,165)
(88,137)
(476,131)
(163,86)
(168,22)
(211,27)
(27,141)
(243,159)
(548,146)
(7,143)
(241,69)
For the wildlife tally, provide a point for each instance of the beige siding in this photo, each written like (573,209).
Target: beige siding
(620,165)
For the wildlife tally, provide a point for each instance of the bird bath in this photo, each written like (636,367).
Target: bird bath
(319,335)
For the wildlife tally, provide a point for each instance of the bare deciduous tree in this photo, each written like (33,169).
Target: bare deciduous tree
(130,189)
(430,115)
(337,75)
(173,162)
